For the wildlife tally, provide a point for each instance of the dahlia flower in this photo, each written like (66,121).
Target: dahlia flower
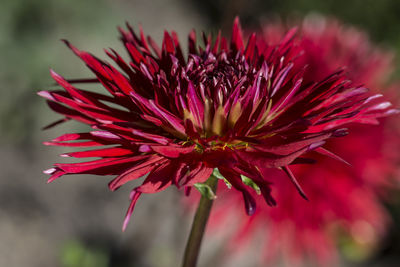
(233,108)
(343,199)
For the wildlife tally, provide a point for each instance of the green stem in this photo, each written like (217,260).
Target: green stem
(199,225)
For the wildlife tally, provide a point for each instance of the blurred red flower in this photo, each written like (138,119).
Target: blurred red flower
(241,109)
(343,199)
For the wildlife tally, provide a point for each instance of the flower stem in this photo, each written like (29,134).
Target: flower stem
(199,225)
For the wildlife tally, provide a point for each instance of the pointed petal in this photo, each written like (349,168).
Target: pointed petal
(330,154)
(134,198)
(236,181)
(148,164)
(294,181)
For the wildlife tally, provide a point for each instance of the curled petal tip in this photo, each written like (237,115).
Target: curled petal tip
(145,148)
(49,171)
(44,94)
(47,143)
(316,145)
(392,112)
(52,72)
(250,204)
(250,210)
(340,132)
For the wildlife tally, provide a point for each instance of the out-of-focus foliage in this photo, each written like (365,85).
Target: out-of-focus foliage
(380,18)
(76,254)
(29,40)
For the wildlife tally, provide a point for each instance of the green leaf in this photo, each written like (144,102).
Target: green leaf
(247,181)
(205,190)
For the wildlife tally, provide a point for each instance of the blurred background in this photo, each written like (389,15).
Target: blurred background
(76,220)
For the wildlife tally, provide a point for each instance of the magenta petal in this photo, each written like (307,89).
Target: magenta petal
(266,193)
(57,122)
(236,181)
(156,138)
(291,147)
(196,105)
(69,113)
(70,89)
(134,198)
(72,137)
(198,173)
(237,39)
(75,144)
(330,154)
(264,159)
(135,172)
(158,179)
(168,117)
(104,165)
(294,181)
(106,152)
(172,151)
(57,173)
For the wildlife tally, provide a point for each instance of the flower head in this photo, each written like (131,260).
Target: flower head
(240,108)
(343,199)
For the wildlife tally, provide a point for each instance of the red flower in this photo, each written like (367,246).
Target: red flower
(239,108)
(341,197)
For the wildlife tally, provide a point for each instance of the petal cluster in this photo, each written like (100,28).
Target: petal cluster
(344,200)
(242,107)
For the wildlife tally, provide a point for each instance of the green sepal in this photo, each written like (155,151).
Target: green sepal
(205,190)
(217,174)
(247,181)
